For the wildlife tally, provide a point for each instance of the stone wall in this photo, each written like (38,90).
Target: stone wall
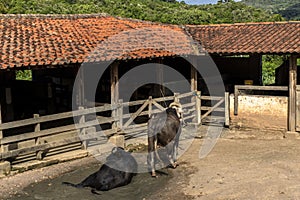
(262,112)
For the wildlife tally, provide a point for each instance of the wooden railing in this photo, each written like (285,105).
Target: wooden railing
(41,139)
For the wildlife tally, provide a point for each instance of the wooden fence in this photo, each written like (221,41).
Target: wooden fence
(125,118)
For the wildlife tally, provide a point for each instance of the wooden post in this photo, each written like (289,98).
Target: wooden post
(227,109)
(81,98)
(292,93)
(37,128)
(160,78)
(193,79)
(82,130)
(9,105)
(150,106)
(176,99)
(198,108)
(114,80)
(236,100)
(120,114)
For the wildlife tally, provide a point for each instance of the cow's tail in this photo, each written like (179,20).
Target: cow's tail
(73,185)
(94,191)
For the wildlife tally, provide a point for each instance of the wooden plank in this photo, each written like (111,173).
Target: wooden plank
(82,130)
(292,93)
(158,105)
(53,117)
(227,109)
(189,117)
(258,87)
(189,105)
(236,100)
(208,108)
(198,108)
(185,95)
(114,81)
(160,77)
(41,147)
(150,106)
(211,98)
(98,134)
(133,103)
(135,126)
(193,78)
(26,136)
(120,114)
(136,114)
(212,109)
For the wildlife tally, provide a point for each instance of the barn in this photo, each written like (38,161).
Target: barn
(37,116)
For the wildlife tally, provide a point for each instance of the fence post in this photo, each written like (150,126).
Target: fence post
(198,107)
(150,106)
(120,114)
(236,99)
(37,128)
(176,99)
(82,130)
(227,109)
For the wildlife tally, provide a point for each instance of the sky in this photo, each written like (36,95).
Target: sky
(201,1)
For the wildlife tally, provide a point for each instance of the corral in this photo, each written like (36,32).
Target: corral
(67,116)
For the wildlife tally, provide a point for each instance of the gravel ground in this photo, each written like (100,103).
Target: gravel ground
(244,164)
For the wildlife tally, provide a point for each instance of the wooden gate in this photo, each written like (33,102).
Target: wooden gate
(217,105)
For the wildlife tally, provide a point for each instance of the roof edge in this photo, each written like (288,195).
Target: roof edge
(244,24)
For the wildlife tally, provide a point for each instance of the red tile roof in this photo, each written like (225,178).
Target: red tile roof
(264,37)
(49,40)
(30,40)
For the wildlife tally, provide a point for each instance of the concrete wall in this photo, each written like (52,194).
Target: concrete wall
(260,112)
(266,105)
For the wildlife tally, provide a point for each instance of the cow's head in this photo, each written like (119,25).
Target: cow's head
(178,107)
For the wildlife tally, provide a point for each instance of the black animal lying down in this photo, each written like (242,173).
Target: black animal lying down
(117,171)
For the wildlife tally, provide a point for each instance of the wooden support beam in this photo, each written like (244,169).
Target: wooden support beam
(292,93)
(81,97)
(227,109)
(198,108)
(160,78)
(193,79)
(114,81)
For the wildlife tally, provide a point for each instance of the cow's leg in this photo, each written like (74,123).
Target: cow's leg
(170,149)
(151,155)
(175,147)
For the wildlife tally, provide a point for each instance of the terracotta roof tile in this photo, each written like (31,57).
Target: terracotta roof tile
(262,37)
(62,39)
(28,40)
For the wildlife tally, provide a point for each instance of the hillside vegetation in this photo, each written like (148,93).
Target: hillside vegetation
(289,9)
(153,10)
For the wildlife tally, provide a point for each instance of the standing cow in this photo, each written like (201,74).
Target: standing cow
(117,171)
(164,130)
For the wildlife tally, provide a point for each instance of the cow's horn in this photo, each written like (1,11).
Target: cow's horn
(175,104)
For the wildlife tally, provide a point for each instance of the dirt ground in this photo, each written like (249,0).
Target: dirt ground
(255,163)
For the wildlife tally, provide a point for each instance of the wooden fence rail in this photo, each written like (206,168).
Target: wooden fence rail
(131,117)
(40,140)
